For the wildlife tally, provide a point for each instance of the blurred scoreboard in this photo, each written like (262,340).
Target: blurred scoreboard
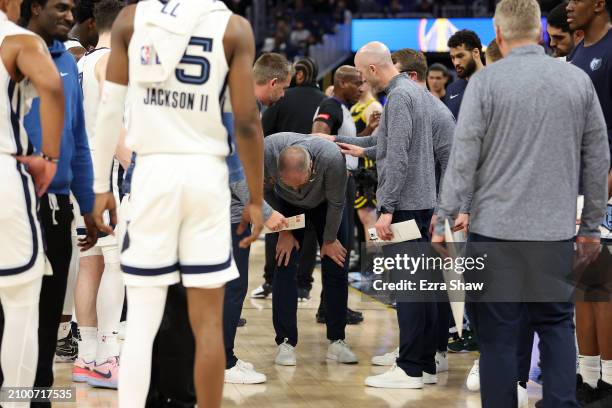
(424,34)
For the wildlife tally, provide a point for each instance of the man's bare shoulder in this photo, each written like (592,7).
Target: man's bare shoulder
(237,28)
(124,23)
(237,25)
(26,42)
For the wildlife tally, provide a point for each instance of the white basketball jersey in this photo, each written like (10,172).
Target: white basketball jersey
(183,114)
(14,104)
(91,99)
(91,89)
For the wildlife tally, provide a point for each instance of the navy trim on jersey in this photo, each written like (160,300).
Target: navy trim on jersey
(14,118)
(132,270)
(83,232)
(96,49)
(120,175)
(26,191)
(111,177)
(196,269)
(221,103)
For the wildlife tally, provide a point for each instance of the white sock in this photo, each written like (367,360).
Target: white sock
(590,369)
(111,292)
(108,346)
(109,305)
(606,371)
(88,343)
(19,349)
(145,312)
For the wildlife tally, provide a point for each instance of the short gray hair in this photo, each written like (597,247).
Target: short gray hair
(518,19)
(300,153)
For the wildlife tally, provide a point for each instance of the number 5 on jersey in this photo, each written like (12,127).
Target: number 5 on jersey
(196,60)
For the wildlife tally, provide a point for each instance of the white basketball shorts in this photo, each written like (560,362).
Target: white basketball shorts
(22,256)
(179,225)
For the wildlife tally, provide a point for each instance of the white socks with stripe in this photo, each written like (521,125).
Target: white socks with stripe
(589,369)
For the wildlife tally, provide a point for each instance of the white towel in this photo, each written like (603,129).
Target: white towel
(166,33)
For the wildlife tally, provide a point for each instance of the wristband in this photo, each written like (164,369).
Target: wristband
(49,158)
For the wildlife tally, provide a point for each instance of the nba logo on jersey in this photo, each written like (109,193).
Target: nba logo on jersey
(147,54)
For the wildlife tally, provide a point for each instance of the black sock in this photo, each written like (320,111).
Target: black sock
(523,384)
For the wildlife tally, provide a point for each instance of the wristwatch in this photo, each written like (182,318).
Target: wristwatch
(384,210)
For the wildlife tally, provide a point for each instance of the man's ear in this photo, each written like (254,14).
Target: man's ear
(273,82)
(91,24)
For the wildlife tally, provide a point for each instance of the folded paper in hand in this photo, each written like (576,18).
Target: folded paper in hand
(296,222)
(457,308)
(402,231)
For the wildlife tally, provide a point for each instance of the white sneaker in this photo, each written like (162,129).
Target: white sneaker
(441,362)
(523,397)
(340,351)
(387,359)
(395,377)
(473,379)
(243,373)
(285,355)
(429,378)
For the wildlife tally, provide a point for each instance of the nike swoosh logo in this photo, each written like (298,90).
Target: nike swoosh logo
(63,74)
(105,375)
(454,96)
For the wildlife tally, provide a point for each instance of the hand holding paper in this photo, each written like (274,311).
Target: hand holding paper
(402,231)
(291,223)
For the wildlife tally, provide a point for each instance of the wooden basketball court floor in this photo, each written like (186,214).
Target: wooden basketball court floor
(315,382)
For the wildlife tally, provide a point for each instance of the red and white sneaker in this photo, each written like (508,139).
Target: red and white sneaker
(105,375)
(81,370)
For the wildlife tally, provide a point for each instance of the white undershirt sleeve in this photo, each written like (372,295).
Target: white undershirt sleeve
(108,126)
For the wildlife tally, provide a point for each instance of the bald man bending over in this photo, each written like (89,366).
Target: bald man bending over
(406,191)
(307,175)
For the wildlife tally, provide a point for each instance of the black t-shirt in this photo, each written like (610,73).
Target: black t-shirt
(330,113)
(454,96)
(596,61)
(294,112)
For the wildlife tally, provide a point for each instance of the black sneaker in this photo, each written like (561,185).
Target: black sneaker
(303,294)
(603,396)
(470,341)
(464,344)
(241,322)
(585,394)
(262,292)
(352,316)
(67,349)
(457,344)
